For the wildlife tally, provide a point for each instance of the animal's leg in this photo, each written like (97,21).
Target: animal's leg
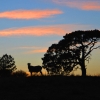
(48,72)
(31,73)
(41,72)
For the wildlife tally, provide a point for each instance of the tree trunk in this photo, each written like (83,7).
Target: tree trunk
(83,69)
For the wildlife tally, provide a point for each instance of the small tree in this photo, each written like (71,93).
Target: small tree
(7,65)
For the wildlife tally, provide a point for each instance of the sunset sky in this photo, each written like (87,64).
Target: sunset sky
(29,27)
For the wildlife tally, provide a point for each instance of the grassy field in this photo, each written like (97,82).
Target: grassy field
(50,88)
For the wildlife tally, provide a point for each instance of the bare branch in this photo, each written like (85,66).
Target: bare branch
(91,50)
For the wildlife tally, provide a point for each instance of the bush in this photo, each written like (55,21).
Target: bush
(20,73)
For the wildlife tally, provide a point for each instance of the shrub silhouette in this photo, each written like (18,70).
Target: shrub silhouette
(19,73)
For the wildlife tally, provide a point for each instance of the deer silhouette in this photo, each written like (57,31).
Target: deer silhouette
(34,68)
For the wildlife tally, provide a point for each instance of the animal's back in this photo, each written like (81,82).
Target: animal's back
(34,68)
(38,68)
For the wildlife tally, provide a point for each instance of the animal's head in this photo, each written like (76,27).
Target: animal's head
(29,64)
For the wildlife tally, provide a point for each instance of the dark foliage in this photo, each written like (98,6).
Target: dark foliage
(71,52)
(7,65)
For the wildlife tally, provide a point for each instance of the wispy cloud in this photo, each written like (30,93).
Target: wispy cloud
(28,47)
(80,4)
(43,30)
(32,49)
(42,50)
(29,14)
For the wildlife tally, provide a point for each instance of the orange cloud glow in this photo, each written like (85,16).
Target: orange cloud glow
(84,5)
(42,50)
(43,30)
(29,14)
(33,49)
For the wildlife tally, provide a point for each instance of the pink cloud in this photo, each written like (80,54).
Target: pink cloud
(43,30)
(84,5)
(29,14)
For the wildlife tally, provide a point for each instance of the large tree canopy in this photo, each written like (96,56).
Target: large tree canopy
(73,50)
(7,65)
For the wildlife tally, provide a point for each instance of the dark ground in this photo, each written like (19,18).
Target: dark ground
(50,88)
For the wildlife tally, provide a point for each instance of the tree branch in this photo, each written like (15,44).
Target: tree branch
(91,50)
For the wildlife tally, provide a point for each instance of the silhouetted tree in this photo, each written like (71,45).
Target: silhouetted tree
(73,50)
(7,65)
(58,61)
(84,43)
(50,61)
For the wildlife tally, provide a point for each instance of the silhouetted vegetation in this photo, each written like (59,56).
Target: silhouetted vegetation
(71,52)
(19,73)
(7,65)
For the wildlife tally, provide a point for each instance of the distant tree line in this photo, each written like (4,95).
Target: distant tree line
(71,52)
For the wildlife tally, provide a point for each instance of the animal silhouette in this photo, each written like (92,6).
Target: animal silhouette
(34,68)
